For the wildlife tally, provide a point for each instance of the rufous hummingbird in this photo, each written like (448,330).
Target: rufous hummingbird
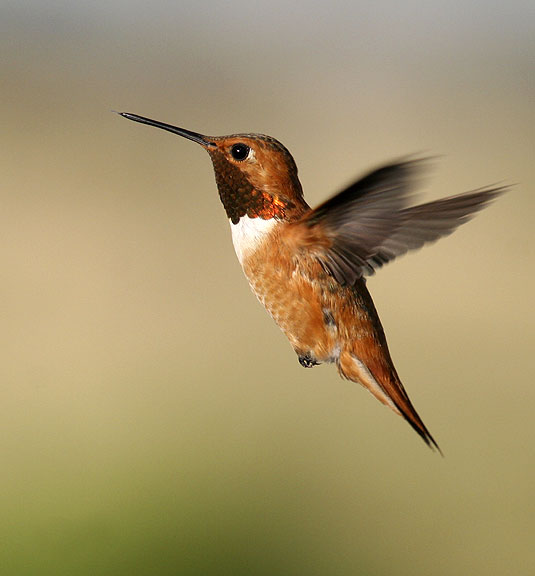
(308,267)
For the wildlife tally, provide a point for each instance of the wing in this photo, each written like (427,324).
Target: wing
(370,223)
(427,223)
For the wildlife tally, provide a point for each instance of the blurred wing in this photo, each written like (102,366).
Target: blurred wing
(369,223)
(346,231)
(427,223)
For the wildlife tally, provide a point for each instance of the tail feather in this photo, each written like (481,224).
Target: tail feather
(383,382)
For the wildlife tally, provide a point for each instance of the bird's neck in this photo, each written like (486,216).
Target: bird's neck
(248,234)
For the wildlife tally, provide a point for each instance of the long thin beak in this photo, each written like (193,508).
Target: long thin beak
(199,138)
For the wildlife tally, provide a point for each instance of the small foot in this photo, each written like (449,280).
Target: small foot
(307,361)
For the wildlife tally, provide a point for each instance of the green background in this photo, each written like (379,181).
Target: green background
(153,420)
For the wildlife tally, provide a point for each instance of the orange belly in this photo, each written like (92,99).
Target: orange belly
(301,299)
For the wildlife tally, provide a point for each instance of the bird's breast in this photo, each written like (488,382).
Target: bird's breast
(292,287)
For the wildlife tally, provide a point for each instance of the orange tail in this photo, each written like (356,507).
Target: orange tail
(378,375)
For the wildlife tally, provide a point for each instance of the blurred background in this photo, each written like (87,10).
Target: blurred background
(153,418)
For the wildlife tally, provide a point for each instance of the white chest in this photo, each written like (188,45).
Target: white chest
(249,233)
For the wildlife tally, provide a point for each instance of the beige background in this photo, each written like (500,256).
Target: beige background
(153,419)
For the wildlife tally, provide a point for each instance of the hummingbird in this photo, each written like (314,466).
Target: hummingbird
(308,267)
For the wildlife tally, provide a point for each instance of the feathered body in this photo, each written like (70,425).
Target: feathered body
(308,266)
(324,321)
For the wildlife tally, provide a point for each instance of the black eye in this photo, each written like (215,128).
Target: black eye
(240,151)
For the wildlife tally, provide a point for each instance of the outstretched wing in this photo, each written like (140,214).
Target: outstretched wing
(370,223)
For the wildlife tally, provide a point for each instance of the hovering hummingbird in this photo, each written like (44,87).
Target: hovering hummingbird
(308,266)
